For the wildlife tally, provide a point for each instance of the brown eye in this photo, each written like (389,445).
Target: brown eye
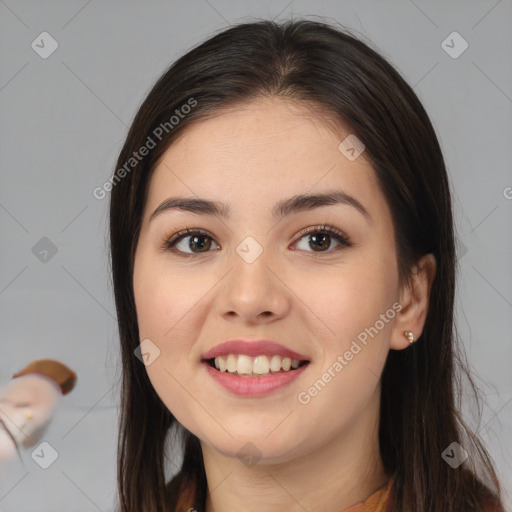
(202,242)
(320,238)
(197,239)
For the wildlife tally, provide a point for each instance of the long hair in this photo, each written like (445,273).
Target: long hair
(334,72)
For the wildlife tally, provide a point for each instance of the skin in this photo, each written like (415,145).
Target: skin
(322,455)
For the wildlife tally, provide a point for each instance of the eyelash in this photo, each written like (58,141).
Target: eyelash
(339,236)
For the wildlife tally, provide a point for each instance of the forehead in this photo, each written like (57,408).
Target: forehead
(262,127)
(265,149)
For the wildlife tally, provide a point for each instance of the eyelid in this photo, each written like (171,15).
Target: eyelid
(168,241)
(324,228)
(341,237)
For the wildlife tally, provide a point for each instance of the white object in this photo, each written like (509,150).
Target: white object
(27,405)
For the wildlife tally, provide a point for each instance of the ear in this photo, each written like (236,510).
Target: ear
(414,299)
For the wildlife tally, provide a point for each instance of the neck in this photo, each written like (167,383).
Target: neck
(334,476)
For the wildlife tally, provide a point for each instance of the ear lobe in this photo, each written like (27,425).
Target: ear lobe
(414,300)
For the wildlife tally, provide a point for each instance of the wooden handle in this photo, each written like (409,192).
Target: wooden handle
(59,372)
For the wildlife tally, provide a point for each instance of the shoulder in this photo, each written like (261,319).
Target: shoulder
(488,501)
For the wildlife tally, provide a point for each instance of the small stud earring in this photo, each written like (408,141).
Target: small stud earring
(409,336)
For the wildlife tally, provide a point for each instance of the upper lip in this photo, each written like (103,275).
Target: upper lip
(252,348)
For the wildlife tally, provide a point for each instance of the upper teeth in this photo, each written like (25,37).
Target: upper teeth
(243,364)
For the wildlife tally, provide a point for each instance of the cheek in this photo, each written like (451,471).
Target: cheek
(162,298)
(158,317)
(167,306)
(359,312)
(352,299)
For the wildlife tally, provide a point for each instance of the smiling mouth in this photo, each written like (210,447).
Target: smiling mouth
(242,365)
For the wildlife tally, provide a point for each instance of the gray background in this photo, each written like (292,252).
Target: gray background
(63,122)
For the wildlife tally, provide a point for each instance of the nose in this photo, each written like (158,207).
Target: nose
(253,292)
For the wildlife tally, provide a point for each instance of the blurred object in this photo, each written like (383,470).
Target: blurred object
(55,370)
(28,403)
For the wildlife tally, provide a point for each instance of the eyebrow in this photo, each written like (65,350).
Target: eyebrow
(282,209)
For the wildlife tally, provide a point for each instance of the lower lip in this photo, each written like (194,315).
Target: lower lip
(254,386)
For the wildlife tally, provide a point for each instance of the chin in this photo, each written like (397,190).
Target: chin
(254,446)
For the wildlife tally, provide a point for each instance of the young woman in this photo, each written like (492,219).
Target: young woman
(283,264)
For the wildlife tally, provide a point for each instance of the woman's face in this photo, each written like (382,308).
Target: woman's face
(253,276)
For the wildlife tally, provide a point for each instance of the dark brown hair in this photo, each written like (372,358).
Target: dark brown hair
(317,65)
